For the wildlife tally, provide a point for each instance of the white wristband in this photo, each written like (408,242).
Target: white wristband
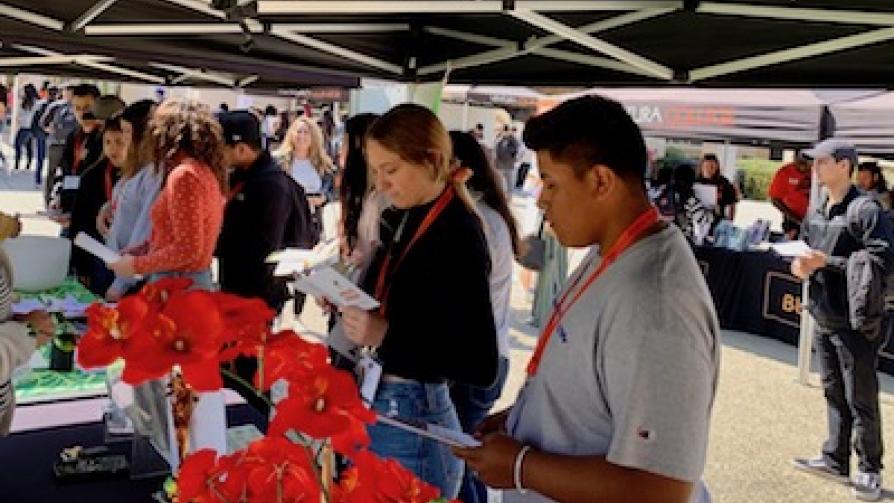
(517,470)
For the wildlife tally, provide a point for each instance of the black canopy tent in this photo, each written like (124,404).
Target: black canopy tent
(766,43)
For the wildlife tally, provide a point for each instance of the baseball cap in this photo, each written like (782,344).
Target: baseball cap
(834,147)
(240,126)
(106,106)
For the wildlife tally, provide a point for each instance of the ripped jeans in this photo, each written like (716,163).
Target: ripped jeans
(429,460)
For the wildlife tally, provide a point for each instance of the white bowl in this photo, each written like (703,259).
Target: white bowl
(38,262)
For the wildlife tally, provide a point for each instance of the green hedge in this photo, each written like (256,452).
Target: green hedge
(756,176)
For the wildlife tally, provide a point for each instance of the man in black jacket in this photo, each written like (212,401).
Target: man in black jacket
(266,211)
(835,231)
(83,149)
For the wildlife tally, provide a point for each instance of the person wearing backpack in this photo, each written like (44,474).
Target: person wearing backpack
(506,153)
(850,241)
(39,133)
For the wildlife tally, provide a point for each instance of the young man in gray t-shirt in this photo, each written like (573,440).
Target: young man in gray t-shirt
(618,399)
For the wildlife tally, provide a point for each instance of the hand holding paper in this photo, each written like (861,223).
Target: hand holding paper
(791,248)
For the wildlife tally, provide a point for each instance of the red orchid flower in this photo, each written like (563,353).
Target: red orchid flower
(198,475)
(186,332)
(353,440)
(245,319)
(400,485)
(158,292)
(110,330)
(321,406)
(287,356)
(353,487)
(280,471)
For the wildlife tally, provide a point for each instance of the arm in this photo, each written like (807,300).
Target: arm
(786,212)
(572,479)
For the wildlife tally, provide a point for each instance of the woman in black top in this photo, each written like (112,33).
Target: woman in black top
(727,195)
(431,276)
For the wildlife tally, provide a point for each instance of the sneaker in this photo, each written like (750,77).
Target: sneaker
(818,466)
(868,486)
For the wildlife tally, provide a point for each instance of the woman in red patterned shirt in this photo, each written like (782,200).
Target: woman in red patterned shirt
(186,218)
(187,145)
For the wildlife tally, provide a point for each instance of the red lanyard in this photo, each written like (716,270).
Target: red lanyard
(79,147)
(433,213)
(636,230)
(235,191)
(109,184)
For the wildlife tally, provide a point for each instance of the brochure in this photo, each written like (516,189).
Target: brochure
(94,247)
(432,431)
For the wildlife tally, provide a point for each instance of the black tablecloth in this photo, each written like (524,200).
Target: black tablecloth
(26,461)
(755,292)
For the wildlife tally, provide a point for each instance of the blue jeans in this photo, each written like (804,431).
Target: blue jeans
(24,140)
(201,280)
(472,405)
(429,460)
(40,140)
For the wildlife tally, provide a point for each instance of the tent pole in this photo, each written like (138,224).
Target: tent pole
(805,339)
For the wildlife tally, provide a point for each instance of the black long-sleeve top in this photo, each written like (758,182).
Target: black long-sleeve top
(440,321)
(825,228)
(95,190)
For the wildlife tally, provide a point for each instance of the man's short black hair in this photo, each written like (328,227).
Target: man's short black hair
(86,90)
(587,131)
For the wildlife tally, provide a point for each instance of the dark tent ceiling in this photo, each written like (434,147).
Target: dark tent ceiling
(774,43)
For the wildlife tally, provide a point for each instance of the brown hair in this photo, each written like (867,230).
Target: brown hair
(187,127)
(415,134)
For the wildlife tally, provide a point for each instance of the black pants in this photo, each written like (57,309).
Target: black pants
(848,362)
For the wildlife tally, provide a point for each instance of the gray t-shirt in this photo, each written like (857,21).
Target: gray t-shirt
(634,378)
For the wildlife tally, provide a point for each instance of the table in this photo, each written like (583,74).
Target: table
(41,385)
(754,292)
(27,458)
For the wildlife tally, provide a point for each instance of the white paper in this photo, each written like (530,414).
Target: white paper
(706,193)
(432,431)
(338,289)
(71,182)
(791,248)
(94,247)
(25,306)
(296,260)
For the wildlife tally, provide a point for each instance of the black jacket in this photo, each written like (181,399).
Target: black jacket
(96,185)
(440,321)
(826,229)
(267,211)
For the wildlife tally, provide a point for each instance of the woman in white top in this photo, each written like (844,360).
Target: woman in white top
(304,156)
(125,220)
(501,233)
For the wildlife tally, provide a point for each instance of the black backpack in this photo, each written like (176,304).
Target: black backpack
(38,114)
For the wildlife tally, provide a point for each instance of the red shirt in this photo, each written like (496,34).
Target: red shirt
(186,220)
(792,186)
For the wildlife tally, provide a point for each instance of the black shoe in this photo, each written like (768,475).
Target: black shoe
(818,466)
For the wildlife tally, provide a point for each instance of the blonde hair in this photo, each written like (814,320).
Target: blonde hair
(318,156)
(417,135)
(187,127)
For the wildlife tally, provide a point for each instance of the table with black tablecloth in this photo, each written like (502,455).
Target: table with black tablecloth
(27,460)
(755,292)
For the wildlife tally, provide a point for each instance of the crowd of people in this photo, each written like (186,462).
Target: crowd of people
(617,399)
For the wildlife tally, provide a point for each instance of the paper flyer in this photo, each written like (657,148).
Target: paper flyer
(432,431)
(791,248)
(94,247)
